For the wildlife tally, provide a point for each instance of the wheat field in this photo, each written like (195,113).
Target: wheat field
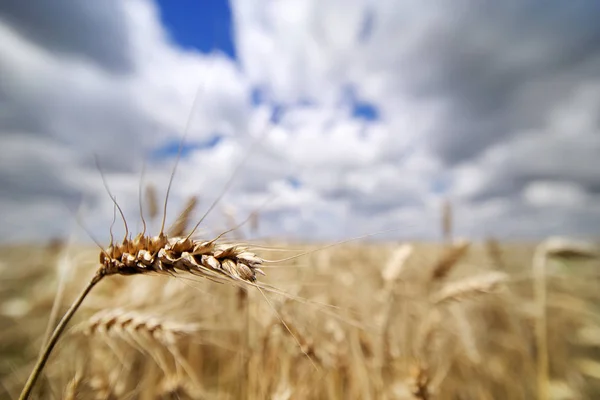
(375,320)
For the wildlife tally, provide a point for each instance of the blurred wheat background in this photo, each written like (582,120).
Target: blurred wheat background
(457,142)
(453,320)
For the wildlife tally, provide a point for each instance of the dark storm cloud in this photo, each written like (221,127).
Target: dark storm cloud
(499,67)
(92,29)
(546,156)
(60,105)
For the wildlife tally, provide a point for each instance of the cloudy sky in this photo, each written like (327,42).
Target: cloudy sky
(353,116)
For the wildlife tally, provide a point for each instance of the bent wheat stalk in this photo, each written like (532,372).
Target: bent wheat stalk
(43,358)
(162,255)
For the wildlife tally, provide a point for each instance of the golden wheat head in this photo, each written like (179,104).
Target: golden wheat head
(163,255)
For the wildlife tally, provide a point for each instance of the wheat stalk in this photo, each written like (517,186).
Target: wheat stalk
(540,291)
(447,220)
(495,252)
(162,255)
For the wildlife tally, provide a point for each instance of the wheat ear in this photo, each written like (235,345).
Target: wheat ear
(162,255)
(451,256)
(469,287)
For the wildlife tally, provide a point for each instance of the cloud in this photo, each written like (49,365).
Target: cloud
(68,99)
(365,120)
(496,97)
(94,31)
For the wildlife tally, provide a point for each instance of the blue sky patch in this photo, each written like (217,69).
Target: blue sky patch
(170,148)
(359,108)
(440,185)
(258,96)
(203,25)
(365,110)
(294,182)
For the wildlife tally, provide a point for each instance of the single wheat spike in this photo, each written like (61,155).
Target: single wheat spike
(161,255)
(180,226)
(447,220)
(469,287)
(449,259)
(395,264)
(151,200)
(122,323)
(571,249)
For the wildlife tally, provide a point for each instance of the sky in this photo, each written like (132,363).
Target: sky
(335,118)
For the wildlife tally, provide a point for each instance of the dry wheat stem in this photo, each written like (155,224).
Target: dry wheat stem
(541,328)
(447,220)
(41,362)
(64,270)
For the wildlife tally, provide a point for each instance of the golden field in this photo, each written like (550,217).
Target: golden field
(354,321)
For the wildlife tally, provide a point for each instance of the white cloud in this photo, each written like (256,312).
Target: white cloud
(544,193)
(493,106)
